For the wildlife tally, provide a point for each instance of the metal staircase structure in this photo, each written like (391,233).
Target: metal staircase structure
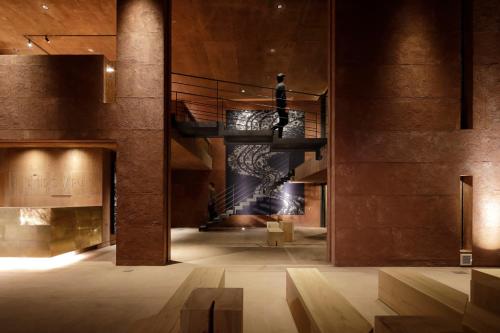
(200,109)
(239,199)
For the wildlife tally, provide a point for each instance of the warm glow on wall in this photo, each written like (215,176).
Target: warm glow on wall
(488,236)
(492,214)
(34,216)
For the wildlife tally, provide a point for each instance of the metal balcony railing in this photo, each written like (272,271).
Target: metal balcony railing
(200,99)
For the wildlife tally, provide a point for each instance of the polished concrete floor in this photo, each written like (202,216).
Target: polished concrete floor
(248,246)
(90,294)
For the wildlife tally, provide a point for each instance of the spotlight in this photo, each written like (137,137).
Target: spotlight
(280,6)
(272,50)
(44,6)
(109,69)
(47,39)
(91,50)
(30,43)
(243,229)
(243,91)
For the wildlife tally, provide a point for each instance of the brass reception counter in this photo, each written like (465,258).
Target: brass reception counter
(48,231)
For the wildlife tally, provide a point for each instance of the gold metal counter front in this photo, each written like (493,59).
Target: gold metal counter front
(46,232)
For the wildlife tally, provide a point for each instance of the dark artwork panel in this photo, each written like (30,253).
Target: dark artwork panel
(253,172)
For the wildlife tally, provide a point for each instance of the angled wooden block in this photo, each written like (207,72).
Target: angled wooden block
(197,312)
(228,311)
(317,307)
(288,230)
(485,289)
(218,310)
(410,324)
(272,225)
(275,237)
(412,294)
(478,320)
(168,319)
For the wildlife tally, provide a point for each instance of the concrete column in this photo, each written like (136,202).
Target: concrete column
(143,76)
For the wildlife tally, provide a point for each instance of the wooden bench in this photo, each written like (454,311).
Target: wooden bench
(485,289)
(317,307)
(168,319)
(213,310)
(412,294)
(410,324)
(275,235)
(478,320)
(288,230)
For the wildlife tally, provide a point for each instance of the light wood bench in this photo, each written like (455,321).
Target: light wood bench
(412,294)
(485,289)
(478,320)
(410,324)
(317,307)
(213,310)
(288,230)
(168,319)
(275,235)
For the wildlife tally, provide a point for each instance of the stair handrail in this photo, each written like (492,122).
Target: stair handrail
(243,193)
(223,194)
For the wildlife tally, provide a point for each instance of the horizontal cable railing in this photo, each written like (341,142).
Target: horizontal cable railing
(195,101)
(240,84)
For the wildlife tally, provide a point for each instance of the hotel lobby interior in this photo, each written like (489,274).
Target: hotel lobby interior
(250,166)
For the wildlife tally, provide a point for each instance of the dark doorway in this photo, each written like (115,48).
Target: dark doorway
(466,202)
(113,196)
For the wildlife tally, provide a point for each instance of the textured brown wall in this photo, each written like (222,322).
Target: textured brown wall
(398,150)
(141,165)
(58,97)
(484,141)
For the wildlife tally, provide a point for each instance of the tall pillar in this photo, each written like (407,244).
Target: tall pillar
(330,196)
(143,76)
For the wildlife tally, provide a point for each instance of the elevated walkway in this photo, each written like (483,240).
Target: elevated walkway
(216,129)
(201,107)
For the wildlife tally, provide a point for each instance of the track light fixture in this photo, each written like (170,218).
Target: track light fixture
(30,43)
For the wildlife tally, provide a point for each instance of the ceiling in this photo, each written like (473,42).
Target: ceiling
(250,41)
(72,26)
(246,41)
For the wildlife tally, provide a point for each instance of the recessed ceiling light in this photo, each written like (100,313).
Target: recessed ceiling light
(272,50)
(280,6)
(44,6)
(110,69)
(243,90)
(30,43)
(91,50)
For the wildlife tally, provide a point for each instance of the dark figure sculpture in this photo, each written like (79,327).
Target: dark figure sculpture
(281,104)
(212,212)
